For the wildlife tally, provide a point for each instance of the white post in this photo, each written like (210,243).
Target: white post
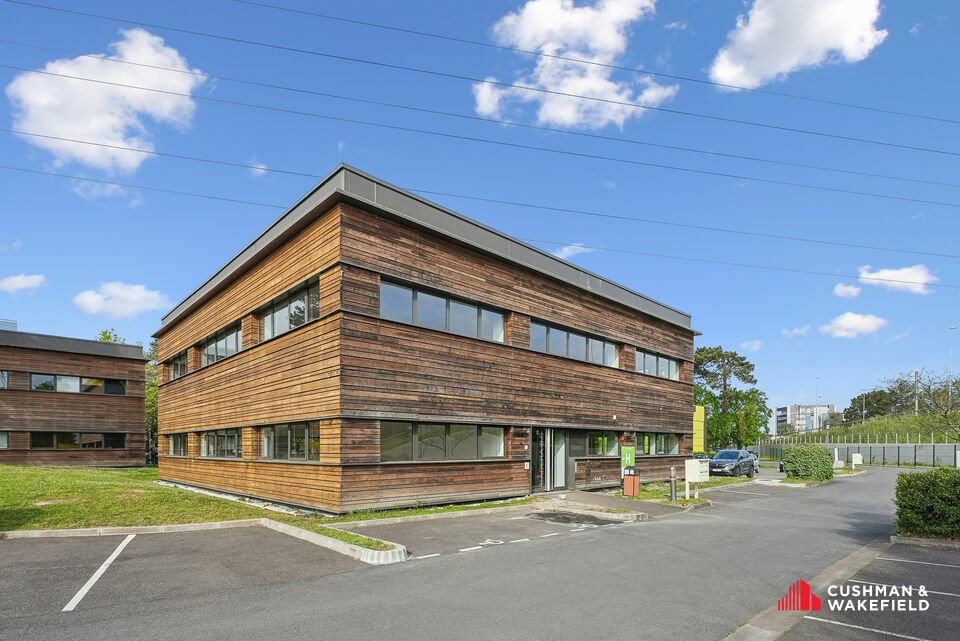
(686,489)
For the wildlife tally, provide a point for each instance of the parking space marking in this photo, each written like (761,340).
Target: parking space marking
(475,547)
(896,586)
(96,575)
(943,565)
(520,541)
(543,536)
(740,492)
(579,529)
(426,556)
(860,627)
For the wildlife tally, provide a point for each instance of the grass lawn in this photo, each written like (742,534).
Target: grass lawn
(661,490)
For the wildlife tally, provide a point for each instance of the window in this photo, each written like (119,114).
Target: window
(76,440)
(114,441)
(41,440)
(294,442)
(4,379)
(562,342)
(402,441)
(68,384)
(91,385)
(435,311)
(114,387)
(602,444)
(655,365)
(292,310)
(667,444)
(4,442)
(178,444)
(177,366)
(224,343)
(43,382)
(221,443)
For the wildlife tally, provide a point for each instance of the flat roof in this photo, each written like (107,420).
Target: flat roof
(28,340)
(349,184)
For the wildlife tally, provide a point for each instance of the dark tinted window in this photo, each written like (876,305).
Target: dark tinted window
(115,387)
(41,439)
(43,382)
(115,441)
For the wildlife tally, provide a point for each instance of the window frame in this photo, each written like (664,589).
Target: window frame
(267,315)
(177,366)
(413,444)
(213,348)
(178,444)
(310,445)
(608,350)
(644,358)
(4,440)
(498,317)
(4,379)
(219,452)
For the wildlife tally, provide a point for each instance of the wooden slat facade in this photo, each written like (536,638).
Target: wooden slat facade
(23,410)
(350,370)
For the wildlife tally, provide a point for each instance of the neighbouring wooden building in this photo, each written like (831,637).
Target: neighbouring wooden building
(371,349)
(67,401)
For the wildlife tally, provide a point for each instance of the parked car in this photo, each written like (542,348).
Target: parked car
(732,463)
(756,463)
(701,456)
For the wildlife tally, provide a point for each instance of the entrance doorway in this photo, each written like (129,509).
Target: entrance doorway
(548,459)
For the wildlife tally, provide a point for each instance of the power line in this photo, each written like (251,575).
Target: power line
(633,141)
(565,210)
(502,143)
(668,256)
(442,74)
(604,65)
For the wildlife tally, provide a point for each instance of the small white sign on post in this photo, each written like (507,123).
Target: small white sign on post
(695,471)
(855,460)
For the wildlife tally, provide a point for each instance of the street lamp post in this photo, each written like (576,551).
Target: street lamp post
(950,331)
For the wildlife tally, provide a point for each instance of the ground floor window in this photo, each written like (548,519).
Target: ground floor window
(76,441)
(220,443)
(658,443)
(178,444)
(403,441)
(602,444)
(291,441)
(4,442)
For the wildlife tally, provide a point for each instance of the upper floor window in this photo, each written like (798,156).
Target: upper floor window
(563,342)
(4,379)
(224,343)
(655,365)
(177,366)
(178,444)
(290,311)
(408,305)
(221,443)
(77,384)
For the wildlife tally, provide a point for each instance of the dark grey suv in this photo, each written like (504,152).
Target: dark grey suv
(732,463)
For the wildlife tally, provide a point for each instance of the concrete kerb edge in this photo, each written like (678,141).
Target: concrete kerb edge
(347,525)
(396,554)
(926,543)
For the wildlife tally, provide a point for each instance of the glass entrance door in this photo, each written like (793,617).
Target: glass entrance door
(548,459)
(538,459)
(559,438)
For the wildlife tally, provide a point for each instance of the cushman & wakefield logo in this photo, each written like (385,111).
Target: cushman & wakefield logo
(858,596)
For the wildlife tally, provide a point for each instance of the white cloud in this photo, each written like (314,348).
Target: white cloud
(598,33)
(795,331)
(851,325)
(13,284)
(257,169)
(11,246)
(568,251)
(120,300)
(751,346)
(846,291)
(96,191)
(913,279)
(915,29)
(678,25)
(778,37)
(105,113)
(898,337)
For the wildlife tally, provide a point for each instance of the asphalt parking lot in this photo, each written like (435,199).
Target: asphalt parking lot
(43,576)
(936,569)
(464,534)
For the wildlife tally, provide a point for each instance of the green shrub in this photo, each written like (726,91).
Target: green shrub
(809,462)
(928,503)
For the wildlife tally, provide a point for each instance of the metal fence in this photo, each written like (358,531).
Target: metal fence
(926,454)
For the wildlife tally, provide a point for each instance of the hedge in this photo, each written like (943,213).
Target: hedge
(809,462)
(928,503)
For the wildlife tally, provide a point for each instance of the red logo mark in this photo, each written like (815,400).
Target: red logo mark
(799,597)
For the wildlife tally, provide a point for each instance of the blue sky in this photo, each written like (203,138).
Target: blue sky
(77,257)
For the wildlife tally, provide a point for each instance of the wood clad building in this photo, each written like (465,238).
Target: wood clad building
(371,349)
(67,401)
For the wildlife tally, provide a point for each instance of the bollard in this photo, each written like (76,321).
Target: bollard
(673,484)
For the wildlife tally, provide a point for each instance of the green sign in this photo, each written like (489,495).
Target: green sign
(627,455)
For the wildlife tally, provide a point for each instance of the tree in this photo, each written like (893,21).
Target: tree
(735,416)
(150,382)
(878,402)
(717,369)
(109,336)
(751,416)
(786,428)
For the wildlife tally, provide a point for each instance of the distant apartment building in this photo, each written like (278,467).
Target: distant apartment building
(804,418)
(67,401)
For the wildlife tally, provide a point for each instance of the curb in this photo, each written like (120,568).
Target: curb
(121,530)
(371,557)
(343,525)
(927,543)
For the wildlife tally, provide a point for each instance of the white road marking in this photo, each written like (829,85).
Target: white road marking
(859,627)
(491,542)
(896,586)
(741,492)
(475,547)
(520,541)
(579,529)
(426,556)
(96,575)
(543,536)
(610,524)
(943,565)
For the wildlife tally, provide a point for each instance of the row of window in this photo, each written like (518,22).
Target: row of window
(74,441)
(653,444)
(290,311)
(407,305)
(177,366)
(77,384)
(402,441)
(655,365)
(603,444)
(291,442)
(224,343)
(563,342)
